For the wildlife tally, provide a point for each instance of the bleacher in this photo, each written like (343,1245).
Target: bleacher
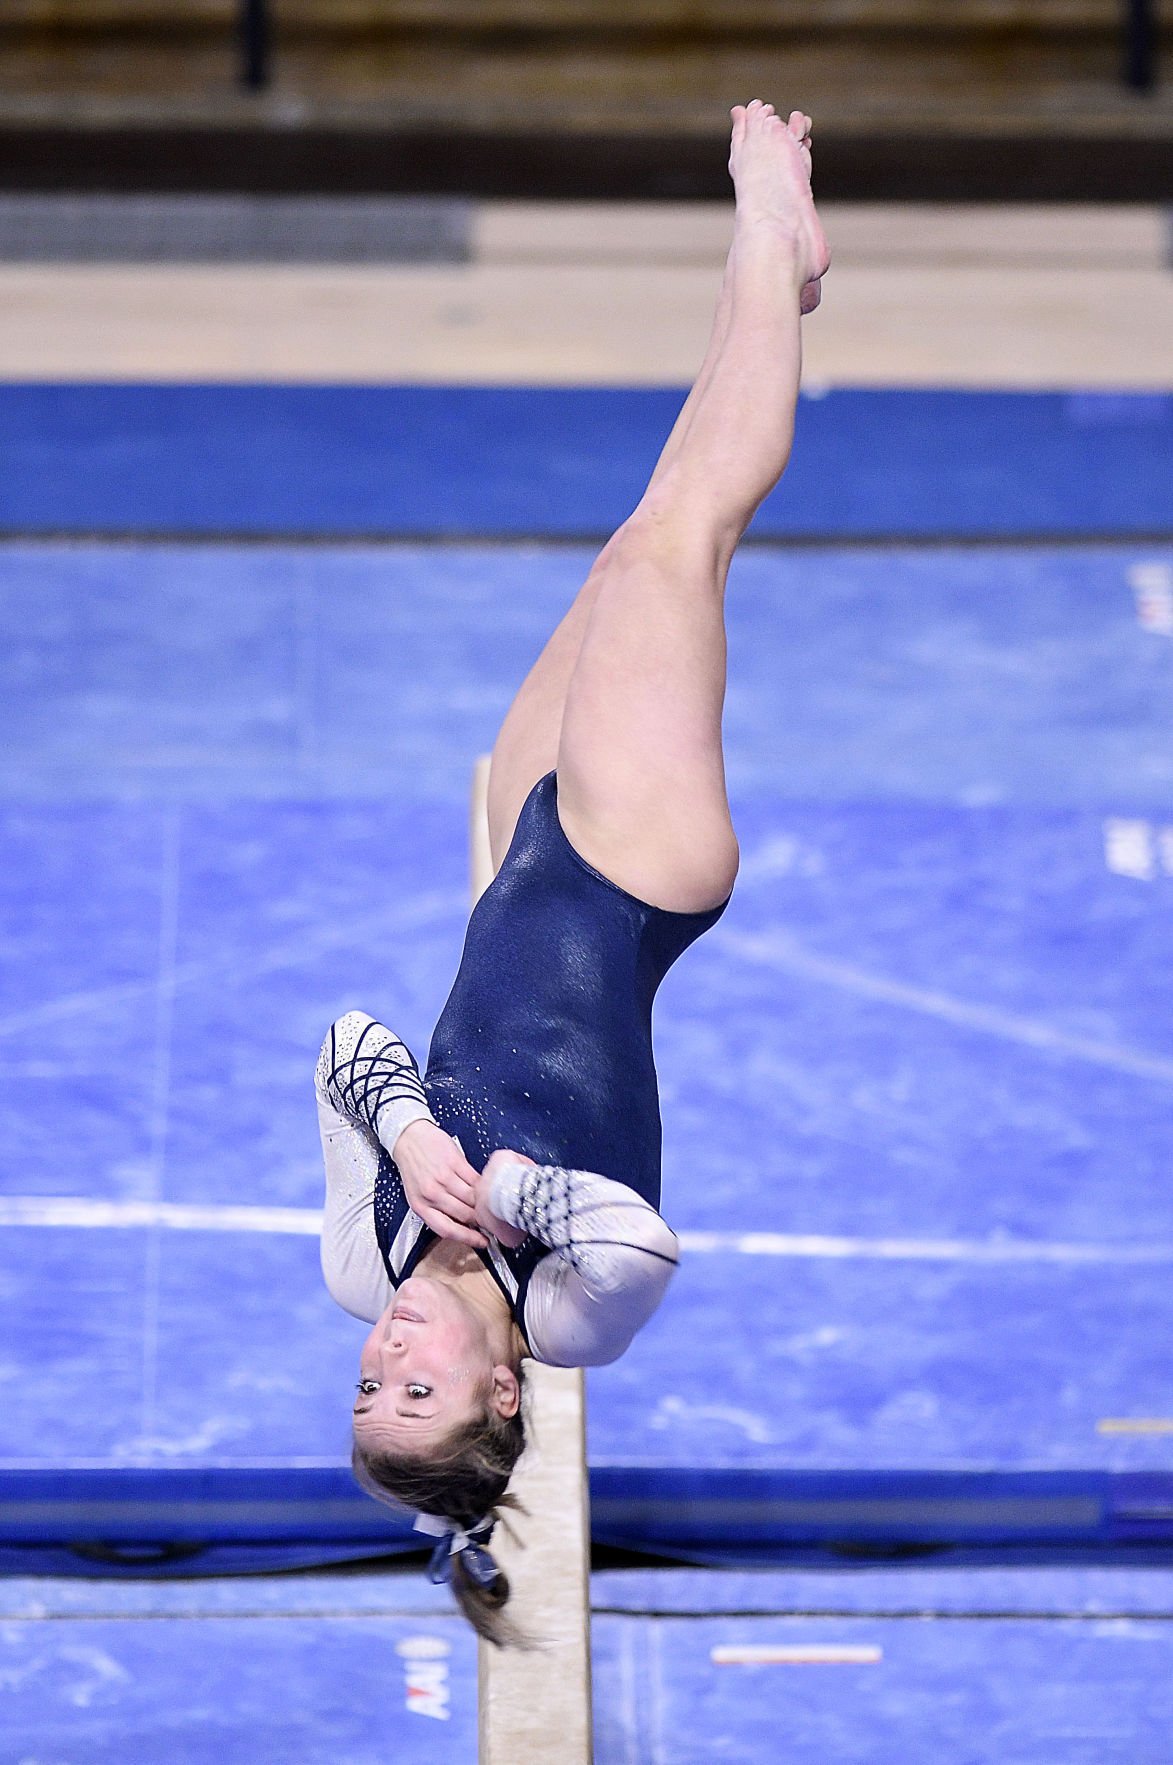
(979,99)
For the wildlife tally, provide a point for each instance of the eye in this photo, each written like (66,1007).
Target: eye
(419,1391)
(368,1387)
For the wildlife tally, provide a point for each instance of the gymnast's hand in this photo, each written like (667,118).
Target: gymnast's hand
(439,1182)
(504,1233)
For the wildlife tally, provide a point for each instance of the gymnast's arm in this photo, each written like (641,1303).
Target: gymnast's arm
(368,1090)
(366,1074)
(352,1265)
(613,1257)
(371,1106)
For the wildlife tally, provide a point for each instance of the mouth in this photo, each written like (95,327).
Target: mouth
(405,1311)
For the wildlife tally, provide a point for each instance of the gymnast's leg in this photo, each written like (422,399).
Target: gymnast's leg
(527,745)
(527,742)
(640,764)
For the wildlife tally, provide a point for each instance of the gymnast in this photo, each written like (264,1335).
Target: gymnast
(505,1206)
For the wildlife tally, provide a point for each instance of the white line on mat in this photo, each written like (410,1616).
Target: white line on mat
(83,1212)
(802,1654)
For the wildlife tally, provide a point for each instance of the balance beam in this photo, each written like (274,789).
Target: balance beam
(535,1705)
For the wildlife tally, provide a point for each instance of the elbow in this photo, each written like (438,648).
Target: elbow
(343,1033)
(642,1277)
(346,1032)
(647,1261)
(659,1240)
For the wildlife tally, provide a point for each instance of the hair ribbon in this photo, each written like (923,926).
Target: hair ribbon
(453,1541)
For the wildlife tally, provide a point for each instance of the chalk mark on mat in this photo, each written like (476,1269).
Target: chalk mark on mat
(778,950)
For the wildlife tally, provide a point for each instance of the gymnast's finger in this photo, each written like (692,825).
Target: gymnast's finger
(461,1185)
(457,1208)
(445,1226)
(439,1197)
(469,1172)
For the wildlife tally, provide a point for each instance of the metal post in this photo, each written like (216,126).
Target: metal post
(254,43)
(1140,45)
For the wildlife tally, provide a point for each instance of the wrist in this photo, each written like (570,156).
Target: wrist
(505,1192)
(408,1136)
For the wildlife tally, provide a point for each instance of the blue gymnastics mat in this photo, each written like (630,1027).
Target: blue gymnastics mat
(217,673)
(564,462)
(888,1692)
(889,1666)
(366,1670)
(916,1084)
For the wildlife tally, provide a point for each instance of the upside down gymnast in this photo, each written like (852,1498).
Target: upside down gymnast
(505,1205)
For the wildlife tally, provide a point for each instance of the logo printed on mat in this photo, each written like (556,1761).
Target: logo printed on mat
(1137,848)
(1152,585)
(425,1663)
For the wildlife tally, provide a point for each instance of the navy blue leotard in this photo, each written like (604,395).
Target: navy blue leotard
(545,1043)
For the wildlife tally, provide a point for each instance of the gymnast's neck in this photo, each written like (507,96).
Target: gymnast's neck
(459,1266)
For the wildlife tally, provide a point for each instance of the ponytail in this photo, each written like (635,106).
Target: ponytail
(466,1489)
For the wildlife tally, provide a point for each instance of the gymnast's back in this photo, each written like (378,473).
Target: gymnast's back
(544,1048)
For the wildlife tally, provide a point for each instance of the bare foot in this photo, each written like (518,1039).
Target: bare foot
(770,163)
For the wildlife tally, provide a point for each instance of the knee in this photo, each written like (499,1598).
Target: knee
(675,527)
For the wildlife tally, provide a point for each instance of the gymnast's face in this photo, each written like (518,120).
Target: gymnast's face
(427,1369)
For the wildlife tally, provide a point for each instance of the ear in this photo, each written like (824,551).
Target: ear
(505,1395)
